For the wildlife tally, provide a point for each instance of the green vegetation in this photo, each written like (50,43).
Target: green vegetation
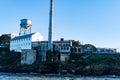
(7,57)
(76,43)
(4,39)
(10,62)
(95,64)
(90,48)
(49,67)
(49,56)
(78,64)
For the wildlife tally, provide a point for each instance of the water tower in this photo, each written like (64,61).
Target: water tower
(25,26)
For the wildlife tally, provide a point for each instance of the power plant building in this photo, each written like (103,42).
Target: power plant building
(33,47)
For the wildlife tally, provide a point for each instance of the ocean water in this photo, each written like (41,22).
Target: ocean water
(8,76)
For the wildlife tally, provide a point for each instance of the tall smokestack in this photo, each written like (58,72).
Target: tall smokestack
(51,25)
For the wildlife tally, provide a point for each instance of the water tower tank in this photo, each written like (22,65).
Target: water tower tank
(25,23)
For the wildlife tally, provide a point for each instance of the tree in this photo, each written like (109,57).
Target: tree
(49,56)
(89,48)
(76,43)
(4,39)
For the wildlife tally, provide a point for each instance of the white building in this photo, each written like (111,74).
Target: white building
(25,41)
(24,44)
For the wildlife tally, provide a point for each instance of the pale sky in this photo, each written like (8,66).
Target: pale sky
(95,22)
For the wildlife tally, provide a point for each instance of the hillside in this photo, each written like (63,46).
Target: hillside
(78,64)
(95,64)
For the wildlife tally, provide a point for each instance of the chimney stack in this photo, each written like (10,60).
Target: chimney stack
(51,25)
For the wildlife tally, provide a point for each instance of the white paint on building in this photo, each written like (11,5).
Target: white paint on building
(24,41)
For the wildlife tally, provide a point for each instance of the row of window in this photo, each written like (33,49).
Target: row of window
(22,44)
(75,49)
(64,48)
